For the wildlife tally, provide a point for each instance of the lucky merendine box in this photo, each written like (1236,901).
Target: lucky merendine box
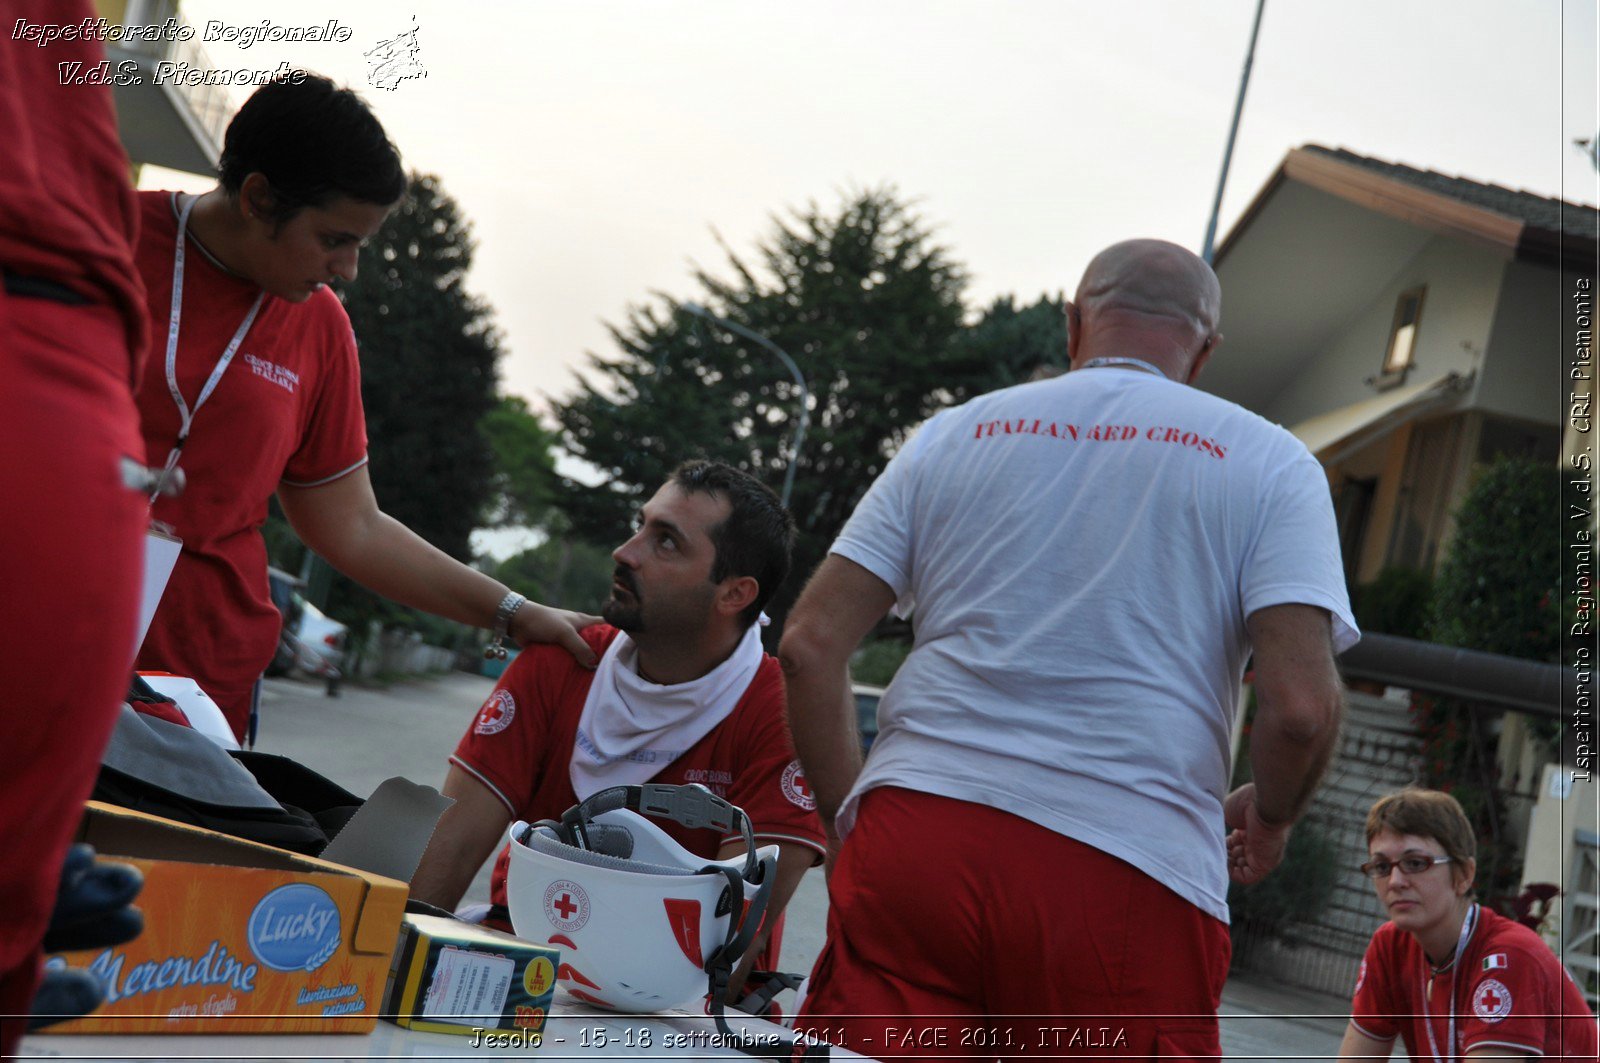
(239,937)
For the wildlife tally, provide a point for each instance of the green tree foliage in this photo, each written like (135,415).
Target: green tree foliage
(864,301)
(428,354)
(1499,587)
(1398,602)
(1498,591)
(1012,346)
(563,570)
(878,660)
(284,548)
(526,489)
(1300,886)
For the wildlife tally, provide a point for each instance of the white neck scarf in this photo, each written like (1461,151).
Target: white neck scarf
(632,728)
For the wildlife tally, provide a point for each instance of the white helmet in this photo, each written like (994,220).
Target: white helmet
(644,925)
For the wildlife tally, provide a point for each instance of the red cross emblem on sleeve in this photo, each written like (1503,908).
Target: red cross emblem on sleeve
(796,789)
(1491,1001)
(496,714)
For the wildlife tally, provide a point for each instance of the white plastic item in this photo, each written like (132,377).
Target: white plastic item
(203,713)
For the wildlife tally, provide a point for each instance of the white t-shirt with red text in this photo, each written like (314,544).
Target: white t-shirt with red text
(1081,554)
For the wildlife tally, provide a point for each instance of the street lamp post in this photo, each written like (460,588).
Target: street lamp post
(1208,251)
(794,370)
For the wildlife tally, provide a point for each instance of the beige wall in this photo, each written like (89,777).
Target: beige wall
(1522,375)
(1463,283)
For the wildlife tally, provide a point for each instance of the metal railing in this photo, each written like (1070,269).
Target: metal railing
(1580,922)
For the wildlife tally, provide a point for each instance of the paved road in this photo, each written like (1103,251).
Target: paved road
(365,736)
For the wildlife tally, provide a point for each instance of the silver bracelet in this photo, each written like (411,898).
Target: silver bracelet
(502,625)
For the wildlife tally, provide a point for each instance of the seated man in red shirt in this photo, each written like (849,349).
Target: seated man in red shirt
(683,694)
(1452,978)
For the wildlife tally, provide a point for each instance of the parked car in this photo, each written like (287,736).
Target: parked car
(320,633)
(310,641)
(867,698)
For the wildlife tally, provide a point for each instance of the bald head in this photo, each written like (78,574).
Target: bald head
(1148,295)
(1155,278)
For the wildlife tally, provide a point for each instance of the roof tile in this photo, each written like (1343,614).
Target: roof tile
(1541,212)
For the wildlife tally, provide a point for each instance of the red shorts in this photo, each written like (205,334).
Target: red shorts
(70,559)
(955,929)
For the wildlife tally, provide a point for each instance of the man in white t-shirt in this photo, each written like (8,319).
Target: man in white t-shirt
(1041,828)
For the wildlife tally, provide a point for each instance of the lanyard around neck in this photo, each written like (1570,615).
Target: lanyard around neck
(1130,363)
(1467,926)
(185,414)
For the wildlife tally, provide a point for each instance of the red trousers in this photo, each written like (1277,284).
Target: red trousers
(70,563)
(957,930)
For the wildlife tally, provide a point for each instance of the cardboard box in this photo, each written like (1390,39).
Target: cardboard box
(453,977)
(239,937)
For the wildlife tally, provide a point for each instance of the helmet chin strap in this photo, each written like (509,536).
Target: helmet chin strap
(696,807)
(719,969)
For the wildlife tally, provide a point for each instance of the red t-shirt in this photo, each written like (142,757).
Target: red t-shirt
(67,209)
(1508,991)
(288,410)
(520,746)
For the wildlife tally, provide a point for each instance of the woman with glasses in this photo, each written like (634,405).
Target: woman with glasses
(1454,979)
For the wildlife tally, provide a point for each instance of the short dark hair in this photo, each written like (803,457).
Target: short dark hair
(313,142)
(757,536)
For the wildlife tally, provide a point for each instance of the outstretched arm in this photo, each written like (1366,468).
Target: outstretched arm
(341,521)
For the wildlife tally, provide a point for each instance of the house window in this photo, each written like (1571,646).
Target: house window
(1402,338)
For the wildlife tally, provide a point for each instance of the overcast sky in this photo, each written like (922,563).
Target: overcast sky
(595,144)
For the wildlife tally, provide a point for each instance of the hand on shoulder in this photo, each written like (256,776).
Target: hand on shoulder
(541,623)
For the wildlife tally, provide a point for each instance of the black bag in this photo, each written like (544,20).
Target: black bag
(296,787)
(172,771)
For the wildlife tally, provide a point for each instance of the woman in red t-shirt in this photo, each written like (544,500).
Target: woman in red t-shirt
(252,388)
(1453,979)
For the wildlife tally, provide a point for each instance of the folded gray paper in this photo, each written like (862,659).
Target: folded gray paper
(389,833)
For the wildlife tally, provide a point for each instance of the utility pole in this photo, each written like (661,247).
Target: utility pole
(1208,251)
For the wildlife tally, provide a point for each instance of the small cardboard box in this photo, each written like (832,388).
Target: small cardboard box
(239,937)
(453,977)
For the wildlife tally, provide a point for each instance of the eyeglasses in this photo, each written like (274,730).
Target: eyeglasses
(1411,864)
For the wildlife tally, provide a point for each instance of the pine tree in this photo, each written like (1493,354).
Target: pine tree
(864,301)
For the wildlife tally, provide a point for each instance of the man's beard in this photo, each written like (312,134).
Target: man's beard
(629,618)
(624,616)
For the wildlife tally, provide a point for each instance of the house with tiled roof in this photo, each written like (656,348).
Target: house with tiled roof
(1407,325)
(1410,327)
